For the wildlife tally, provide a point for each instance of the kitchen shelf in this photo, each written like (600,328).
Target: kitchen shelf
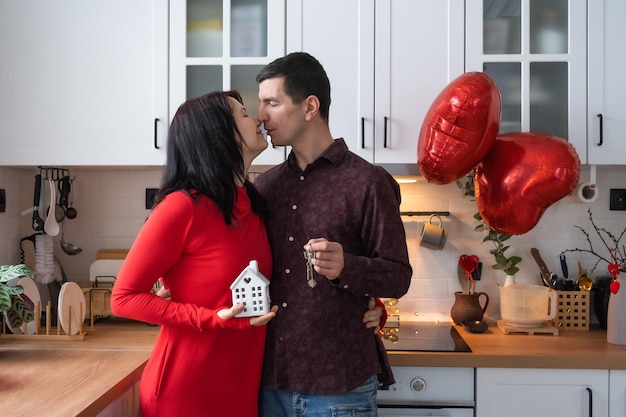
(424,213)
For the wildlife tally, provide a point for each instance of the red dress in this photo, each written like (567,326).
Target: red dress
(200,365)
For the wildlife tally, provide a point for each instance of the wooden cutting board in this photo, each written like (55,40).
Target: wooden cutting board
(111,253)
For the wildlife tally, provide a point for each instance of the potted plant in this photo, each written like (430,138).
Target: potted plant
(12,303)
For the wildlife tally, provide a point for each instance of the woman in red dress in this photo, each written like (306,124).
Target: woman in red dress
(204,230)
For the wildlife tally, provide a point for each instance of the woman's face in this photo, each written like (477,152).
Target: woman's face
(252,140)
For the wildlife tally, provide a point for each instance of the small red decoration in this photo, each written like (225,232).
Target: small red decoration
(613,269)
(614,286)
(468,263)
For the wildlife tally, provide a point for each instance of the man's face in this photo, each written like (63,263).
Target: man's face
(281,118)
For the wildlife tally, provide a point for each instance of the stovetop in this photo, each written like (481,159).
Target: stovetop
(424,337)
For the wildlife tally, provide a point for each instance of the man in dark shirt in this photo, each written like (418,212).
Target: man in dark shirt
(337,239)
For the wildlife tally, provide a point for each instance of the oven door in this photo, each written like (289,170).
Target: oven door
(433,412)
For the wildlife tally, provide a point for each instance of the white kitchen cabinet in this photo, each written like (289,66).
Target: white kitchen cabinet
(542,392)
(536,52)
(387,60)
(606,118)
(222,45)
(617,393)
(83,83)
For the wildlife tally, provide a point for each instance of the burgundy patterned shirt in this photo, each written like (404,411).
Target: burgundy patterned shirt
(317,343)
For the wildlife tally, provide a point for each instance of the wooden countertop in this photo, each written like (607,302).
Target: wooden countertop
(74,377)
(570,349)
(80,378)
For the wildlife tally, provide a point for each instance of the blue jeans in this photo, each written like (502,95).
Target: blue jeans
(360,402)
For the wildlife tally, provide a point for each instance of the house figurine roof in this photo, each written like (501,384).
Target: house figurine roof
(252,289)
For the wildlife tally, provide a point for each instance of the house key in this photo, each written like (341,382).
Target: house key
(308,255)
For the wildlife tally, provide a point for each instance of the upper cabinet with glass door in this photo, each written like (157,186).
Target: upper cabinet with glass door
(536,52)
(222,45)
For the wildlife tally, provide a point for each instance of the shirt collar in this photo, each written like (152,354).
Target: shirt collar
(333,154)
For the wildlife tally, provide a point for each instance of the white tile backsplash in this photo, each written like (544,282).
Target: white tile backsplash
(111,209)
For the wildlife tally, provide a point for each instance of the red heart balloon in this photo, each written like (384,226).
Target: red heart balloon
(523,174)
(459,128)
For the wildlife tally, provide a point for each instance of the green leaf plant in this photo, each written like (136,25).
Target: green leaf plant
(503,262)
(17,310)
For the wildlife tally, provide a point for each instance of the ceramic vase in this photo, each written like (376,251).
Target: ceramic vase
(467,307)
(616,318)
(509,280)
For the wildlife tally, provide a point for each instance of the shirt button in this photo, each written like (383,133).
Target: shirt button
(293,207)
(301,177)
(284,305)
(291,238)
(282,339)
(367,295)
(287,271)
(345,287)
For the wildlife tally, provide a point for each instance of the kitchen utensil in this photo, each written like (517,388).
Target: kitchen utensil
(546,275)
(70,212)
(67,247)
(38,222)
(59,212)
(64,191)
(462,279)
(526,305)
(476,275)
(564,266)
(584,282)
(51,226)
(433,236)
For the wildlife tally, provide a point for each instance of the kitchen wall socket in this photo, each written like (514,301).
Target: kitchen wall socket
(150,194)
(3,200)
(618,199)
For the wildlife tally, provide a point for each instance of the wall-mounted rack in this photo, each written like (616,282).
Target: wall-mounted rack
(424,213)
(52,173)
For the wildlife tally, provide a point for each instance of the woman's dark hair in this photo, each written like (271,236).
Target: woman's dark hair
(203,155)
(303,76)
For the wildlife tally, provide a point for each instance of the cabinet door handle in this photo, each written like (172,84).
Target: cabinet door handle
(385,134)
(156,122)
(590,401)
(601,130)
(362,132)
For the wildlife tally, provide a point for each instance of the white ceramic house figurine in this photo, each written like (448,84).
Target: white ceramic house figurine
(252,289)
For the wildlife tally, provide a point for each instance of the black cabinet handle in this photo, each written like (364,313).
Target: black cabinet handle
(601,130)
(156,146)
(362,132)
(385,134)
(590,401)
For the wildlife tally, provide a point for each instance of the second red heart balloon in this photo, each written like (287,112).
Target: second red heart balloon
(522,175)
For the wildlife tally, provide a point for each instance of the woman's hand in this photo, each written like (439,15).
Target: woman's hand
(372,317)
(229,313)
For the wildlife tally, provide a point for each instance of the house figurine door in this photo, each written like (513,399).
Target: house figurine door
(252,289)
